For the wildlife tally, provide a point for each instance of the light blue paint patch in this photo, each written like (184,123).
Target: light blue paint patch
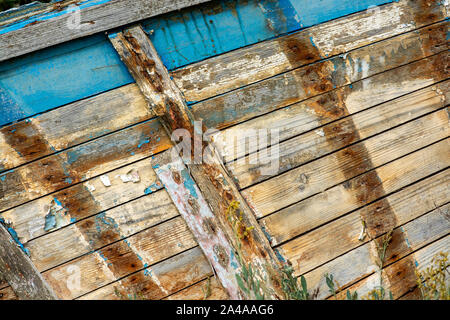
(189,184)
(50,222)
(279,256)
(58,202)
(104,222)
(319,11)
(15,237)
(68,180)
(268,236)
(156,166)
(142,142)
(147,272)
(13,130)
(233,262)
(3,177)
(73,220)
(416,263)
(152,188)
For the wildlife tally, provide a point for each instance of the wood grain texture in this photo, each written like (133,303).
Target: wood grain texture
(69,167)
(401,286)
(96,16)
(81,200)
(419,233)
(70,125)
(20,272)
(323,76)
(232,70)
(218,189)
(320,110)
(198,291)
(159,281)
(319,175)
(350,195)
(339,134)
(335,238)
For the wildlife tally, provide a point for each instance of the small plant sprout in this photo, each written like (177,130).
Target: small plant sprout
(290,285)
(331,283)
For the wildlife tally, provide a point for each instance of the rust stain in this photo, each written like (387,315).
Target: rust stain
(354,160)
(427,11)
(299,49)
(434,38)
(24,137)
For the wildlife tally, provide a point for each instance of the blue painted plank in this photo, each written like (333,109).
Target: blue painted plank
(55,76)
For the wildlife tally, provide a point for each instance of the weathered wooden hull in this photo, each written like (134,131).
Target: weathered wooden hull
(359,99)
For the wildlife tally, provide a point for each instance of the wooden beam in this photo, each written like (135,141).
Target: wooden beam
(17,268)
(210,177)
(94,16)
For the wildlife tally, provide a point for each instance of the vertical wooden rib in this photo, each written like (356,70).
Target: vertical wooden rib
(213,180)
(18,270)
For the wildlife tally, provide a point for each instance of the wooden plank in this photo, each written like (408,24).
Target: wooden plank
(130,258)
(135,219)
(266,59)
(363,259)
(20,272)
(342,235)
(199,291)
(158,281)
(400,285)
(97,16)
(60,129)
(316,211)
(319,175)
(324,76)
(81,200)
(77,164)
(216,186)
(329,138)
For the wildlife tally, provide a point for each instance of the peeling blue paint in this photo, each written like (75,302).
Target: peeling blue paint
(81,68)
(189,184)
(15,237)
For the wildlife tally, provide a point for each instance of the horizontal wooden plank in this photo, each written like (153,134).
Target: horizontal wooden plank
(81,200)
(334,202)
(199,291)
(363,259)
(48,29)
(400,285)
(77,164)
(266,59)
(159,281)
(323,76)
(329,138)
(342,235)
(70,125)
(319,175)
